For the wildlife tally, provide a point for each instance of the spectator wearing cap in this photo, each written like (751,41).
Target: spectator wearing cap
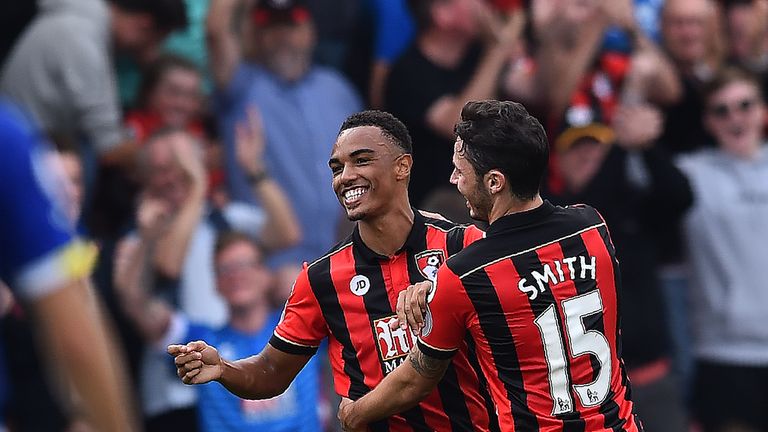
(301,105)
(636,188)
(60,69)
(727,238)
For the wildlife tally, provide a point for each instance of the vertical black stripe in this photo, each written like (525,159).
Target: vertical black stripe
(496,331)
(455,240)
(493,418)
(322,285)
(377,306)
(611,413)
(524,264)
(449,389)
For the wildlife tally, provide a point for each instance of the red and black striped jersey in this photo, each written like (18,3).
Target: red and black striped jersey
(350,297)
(539,297)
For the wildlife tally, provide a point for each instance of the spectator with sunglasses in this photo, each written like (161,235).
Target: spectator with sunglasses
(727,239)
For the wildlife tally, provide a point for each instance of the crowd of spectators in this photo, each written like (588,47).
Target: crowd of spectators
(195,135)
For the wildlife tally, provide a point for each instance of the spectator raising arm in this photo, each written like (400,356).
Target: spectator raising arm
(173,245)
(223,40)
(132,276)
(282,228)
(501,39)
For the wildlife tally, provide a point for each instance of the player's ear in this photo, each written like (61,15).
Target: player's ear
(403,166)
(495,181)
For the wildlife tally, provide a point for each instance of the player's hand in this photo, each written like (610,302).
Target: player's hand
(412,306)
(344,410)
(196,362)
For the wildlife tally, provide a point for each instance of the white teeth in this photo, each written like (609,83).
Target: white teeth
(354,194)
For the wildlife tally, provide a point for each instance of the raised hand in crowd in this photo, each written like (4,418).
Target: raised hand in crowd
(637,127)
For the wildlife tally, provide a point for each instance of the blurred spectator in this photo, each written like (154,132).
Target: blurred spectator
(727,239)
(459,54)
(60,69)
(394,31)
(243,282)
(746,26)
(573,69)
(691,35)
(170,96)
(301,105)
(620,171)
(174,173)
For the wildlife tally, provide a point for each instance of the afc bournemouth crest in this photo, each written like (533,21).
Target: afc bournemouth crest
(428,262)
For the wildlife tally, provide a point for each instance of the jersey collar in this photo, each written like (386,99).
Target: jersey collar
(413,243)
(517,220)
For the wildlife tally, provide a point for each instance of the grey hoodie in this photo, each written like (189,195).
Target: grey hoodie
(727,239)
(60,71)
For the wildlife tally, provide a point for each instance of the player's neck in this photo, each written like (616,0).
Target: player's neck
(386,234)
(248,319)
(508,205)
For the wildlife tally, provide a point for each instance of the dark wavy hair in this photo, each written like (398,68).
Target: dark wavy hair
(502,135)
(390,127)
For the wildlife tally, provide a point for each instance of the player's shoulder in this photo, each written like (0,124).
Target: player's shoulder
(469,258)
(580,214)
(16,128)
(325,259)
(440,222)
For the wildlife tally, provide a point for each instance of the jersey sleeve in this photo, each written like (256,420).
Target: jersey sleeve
(446,318)
(302,326)
(40,252)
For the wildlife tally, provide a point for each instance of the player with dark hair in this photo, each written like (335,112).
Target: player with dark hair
(538,295)
(350,295)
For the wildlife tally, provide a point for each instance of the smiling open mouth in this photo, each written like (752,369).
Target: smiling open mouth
(352,196)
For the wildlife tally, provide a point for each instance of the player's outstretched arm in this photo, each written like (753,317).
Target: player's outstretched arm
(262,376)
(411,382)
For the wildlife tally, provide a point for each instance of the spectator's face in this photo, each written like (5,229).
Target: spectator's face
(579,164)
(741,27)
(458,15)
(286,49)
(73,170)
(470,185)
(366,169)
(685,29)
(177,97)
(241,277)
(166,179)
(136,34)
(735,115)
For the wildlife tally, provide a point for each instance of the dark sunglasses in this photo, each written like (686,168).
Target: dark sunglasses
(722,111)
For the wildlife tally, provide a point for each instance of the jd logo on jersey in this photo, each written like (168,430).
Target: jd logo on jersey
(359,285)
(428,262)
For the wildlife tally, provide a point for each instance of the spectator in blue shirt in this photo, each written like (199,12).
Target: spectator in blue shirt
(243,282)
(301,105)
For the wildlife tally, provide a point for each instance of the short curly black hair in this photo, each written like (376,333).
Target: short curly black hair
(502,135)
(168,15)
(389,125)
